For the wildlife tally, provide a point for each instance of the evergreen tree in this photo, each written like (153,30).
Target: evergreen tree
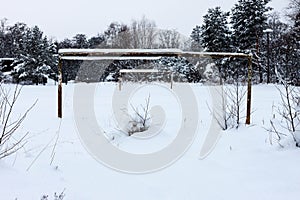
(35,57)
(215,32)
(65,44)
(293,46)
(96,41)
(215,36)
(249,19)
(70,67)
(273,50)
(112,32)
(80,41)
(16,36)
(196,38)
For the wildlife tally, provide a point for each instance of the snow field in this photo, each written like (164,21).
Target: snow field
(243,164)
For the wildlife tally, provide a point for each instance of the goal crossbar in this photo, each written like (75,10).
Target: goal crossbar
(145,54)
(139,71)
(108,53)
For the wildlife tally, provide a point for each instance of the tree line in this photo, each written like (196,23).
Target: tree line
(250,27)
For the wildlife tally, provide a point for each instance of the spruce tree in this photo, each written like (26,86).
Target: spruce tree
(196,38)
(215,36)
(215,32)
(249,19)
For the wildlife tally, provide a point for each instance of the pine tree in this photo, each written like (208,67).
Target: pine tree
(96,41)
(35,57)
(215,32)
(16,36)
(294,43)
(249,19)
(274,49)
(196,38)
(216,37)
(80,41)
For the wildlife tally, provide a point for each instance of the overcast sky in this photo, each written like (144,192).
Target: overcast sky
(65,18)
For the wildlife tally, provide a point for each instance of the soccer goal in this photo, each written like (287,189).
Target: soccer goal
(145,54)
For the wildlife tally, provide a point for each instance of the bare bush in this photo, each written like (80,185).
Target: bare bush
(289,110)
(230,105)
(236,97)
(140,120)
(9,144)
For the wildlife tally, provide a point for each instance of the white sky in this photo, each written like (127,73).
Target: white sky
(65,18)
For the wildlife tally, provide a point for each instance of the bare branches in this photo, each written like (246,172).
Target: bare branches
(236,95)
(289,109)
(8,126)
(140,121)
(143,33)
(169,39)
(230,106)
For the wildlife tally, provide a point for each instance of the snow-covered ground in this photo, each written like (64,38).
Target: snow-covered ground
(243,164)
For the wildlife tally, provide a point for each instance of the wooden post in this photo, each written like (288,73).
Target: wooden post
(120,81)
(171,80)
(59,102)
(249,90)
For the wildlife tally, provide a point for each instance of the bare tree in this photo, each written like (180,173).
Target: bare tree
(293,9)
(3,23)
(10,144)
(143,33)
(169,39)
(123,40)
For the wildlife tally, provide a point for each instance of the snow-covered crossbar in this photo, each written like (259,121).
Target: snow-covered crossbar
(144,54)
(139,54)
(138,71)
(5,59)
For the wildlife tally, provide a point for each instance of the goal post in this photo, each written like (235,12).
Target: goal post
(145,54)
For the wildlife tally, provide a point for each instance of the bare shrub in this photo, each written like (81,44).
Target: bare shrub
(9,144)
(289,111)
(230,105)
(140,120)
